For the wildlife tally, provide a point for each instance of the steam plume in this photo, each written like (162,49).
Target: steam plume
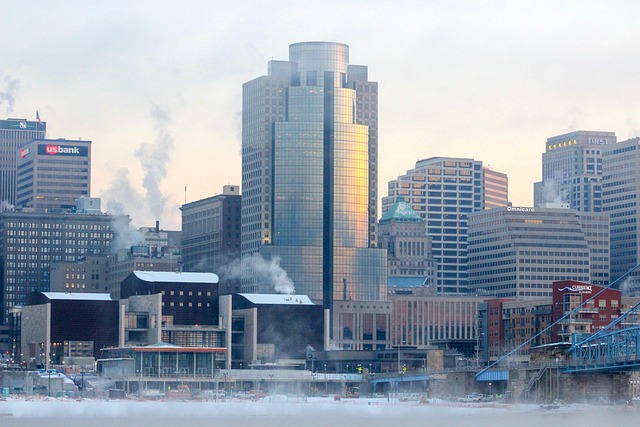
(9,95)
(551,192)
(122,197)
(256,267)
(154,158)
(6,206)
(125,235)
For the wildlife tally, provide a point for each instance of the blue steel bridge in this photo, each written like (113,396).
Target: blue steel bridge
(614,348)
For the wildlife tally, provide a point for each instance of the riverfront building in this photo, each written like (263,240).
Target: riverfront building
(309,174)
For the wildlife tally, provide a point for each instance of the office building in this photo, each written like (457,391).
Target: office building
(620,189)
(31,241)
(53,174)
(572,170)
(444,191)
(444,321)
(309,162)
(403,233)
(496,188)
(361,325)
(211,231)
(57,327)
(268,330)
(518,252)
(13,134)
(187,298)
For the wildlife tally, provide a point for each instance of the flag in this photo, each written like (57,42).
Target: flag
(38,116)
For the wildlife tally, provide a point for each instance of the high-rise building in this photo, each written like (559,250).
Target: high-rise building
(309,168)
(443,191)
(620,189)
(496,188)
(518,252)
(31,241)
(572,170)
(211,231)
(14,133)
(403,233)
(53,174)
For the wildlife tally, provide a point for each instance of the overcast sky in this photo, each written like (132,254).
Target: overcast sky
(156,85)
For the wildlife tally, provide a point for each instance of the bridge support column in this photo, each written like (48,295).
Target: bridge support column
(595,387)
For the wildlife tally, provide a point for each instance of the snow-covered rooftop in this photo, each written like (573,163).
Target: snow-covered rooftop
(278,299)
(169,276)
(77,296)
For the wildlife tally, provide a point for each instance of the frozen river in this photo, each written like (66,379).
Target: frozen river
(315,412)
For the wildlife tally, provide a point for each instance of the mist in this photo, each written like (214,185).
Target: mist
(351,413)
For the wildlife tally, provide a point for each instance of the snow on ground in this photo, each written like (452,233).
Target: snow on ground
(283,411)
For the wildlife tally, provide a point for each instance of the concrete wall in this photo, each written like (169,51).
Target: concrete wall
(36,331)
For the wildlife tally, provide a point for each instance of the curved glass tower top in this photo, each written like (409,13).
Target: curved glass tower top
(314,58)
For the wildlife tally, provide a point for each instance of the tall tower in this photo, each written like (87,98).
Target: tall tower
(53,174)
(572,170)
(13,134)
(620,193)
(309,173)
(444,191)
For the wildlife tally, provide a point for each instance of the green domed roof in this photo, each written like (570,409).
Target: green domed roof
(401,211)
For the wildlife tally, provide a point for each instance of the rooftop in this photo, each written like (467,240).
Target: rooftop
(401,211)
(282,299)
(168,276)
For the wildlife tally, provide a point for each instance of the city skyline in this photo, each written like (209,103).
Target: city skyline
(162,102)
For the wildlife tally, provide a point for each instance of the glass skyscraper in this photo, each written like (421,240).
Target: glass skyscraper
(309,174)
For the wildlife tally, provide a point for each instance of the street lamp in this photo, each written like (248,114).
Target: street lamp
(224,374)
(325,380)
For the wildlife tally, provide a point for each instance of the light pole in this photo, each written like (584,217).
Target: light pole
(224,374)
(325,380)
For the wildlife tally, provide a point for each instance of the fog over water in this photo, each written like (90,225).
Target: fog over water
(325,413)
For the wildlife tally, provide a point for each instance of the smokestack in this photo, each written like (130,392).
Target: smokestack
(157,227)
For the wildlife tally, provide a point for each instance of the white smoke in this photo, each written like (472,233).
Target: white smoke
(125,235)
(629,286)
(6,206)
(551,192)
(258,268)
(154,159)
(9,95)
(122,198)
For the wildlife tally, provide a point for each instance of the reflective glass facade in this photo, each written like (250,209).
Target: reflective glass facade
(310,167)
